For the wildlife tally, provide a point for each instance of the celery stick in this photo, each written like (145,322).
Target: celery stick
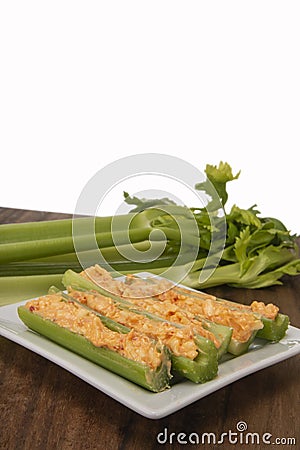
(222,333)
(29,231)
(153,380)
(115,261)
(15,289)
(203,368)
(274,330)
(236,346)
(111,253)
(22,251)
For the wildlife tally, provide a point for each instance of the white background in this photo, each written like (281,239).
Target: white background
(85,83)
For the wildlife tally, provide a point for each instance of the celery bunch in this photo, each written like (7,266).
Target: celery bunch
(258,250)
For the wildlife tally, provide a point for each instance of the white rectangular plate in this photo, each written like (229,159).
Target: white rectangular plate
(154,406)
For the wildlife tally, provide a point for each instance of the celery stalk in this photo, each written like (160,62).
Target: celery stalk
(153,380)
(22,251)
(222,333)
(60,263)
(15,289)
(274,330)
(48,229)
(112,253)
(203,368)
(235,347)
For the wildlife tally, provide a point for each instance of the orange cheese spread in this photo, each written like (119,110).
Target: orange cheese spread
(243,319)
(171,312)
(134,345)
(179,340)
(242,323)
(269,311)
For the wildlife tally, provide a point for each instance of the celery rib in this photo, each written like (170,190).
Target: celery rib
(47,229)
(22,251)
(153,380)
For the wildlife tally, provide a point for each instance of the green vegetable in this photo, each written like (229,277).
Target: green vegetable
(17,288)
(222,333)
(203,368)
(273,330)
(153,380)
(51,229)
(235,346)
(258,250)
(22,251)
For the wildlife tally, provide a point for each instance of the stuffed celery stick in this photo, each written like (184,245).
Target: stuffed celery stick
(220,335)
(130,354)
(193,356)
(275,324)
(244,324)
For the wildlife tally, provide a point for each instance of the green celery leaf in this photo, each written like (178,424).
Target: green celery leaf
(218,177)
(241,245)
(145,203)
(245,216)
(276,223)
(232,232)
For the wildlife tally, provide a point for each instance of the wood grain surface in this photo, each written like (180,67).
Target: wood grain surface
(42,406)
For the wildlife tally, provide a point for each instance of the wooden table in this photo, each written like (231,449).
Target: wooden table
(43,406)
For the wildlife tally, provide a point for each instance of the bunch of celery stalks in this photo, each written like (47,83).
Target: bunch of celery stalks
(257,251)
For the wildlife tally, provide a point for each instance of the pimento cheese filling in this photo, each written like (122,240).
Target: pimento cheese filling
(179,340)
(171,312)
(269,311)
(135,287)
(102,278)
(237,316)
(182,290)
(134,345)
(242,323)
(132,287)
